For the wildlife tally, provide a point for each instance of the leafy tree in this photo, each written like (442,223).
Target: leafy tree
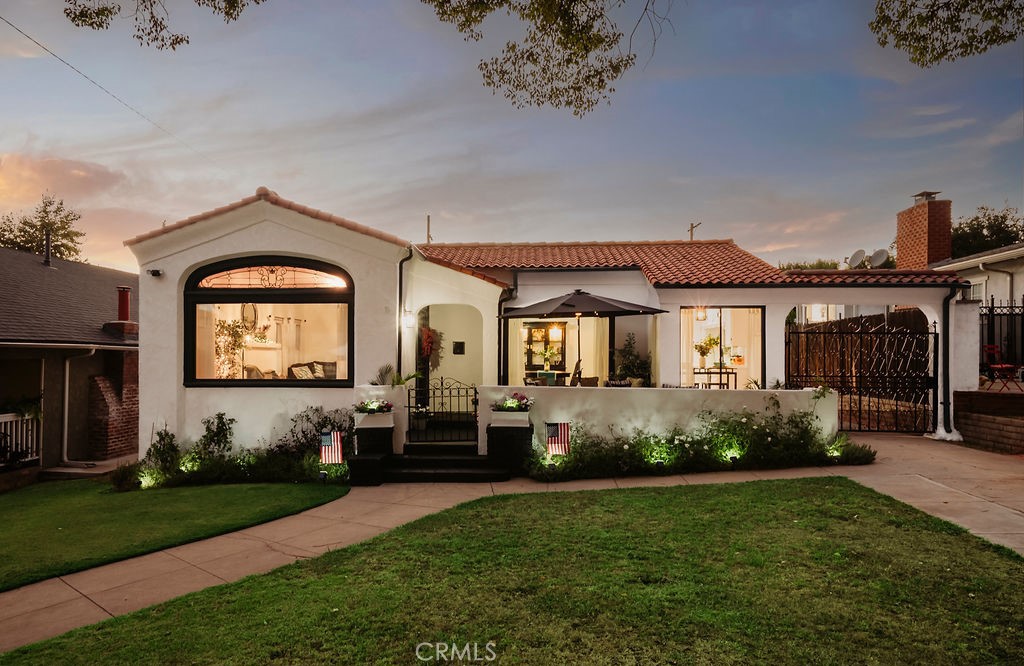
(931,31)
(987,229)
(151,27)
(28,232)
(574,51)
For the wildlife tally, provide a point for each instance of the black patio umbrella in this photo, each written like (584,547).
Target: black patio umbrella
(583,304)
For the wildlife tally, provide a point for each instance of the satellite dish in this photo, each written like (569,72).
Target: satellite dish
(878,258)
(856,259)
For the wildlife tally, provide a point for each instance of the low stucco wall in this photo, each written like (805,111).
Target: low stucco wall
(619,411)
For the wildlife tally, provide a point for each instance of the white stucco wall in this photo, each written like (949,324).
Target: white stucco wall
(427,284)
(460,323)
(620,411)
(259,228)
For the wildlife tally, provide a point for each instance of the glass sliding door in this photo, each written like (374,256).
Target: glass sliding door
(722,347)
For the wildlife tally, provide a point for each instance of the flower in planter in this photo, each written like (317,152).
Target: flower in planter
(517,402)
(374,407)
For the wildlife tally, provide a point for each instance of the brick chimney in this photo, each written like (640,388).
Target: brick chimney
(924,232)
(123,327)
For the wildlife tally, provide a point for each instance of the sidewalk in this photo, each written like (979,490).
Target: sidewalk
(981,491)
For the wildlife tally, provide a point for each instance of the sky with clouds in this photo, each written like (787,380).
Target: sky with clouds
(780,124)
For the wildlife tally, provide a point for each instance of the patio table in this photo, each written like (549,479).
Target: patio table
(718,377)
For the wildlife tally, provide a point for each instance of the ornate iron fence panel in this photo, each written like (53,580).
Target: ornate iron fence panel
(1002,325)
(886,378)
(442,410)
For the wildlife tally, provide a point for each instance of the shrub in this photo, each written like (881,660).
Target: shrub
(304,435)
(216,441)
(740,440)
(126,477)
(296,458)
(164,455)
(851,453)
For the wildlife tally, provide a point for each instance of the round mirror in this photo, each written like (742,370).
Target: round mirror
(249,316)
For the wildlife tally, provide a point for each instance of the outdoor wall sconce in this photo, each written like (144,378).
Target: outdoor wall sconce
(155,272)
(702,314)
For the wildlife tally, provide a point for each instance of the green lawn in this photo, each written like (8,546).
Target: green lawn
(54,528)
(809,571)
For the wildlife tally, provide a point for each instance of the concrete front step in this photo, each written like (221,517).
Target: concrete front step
(445,474)
(441,448)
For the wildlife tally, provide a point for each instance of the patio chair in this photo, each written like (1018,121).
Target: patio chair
(1005,373)
(576,373)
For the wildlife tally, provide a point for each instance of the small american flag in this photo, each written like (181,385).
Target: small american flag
(330,447)
(558,439)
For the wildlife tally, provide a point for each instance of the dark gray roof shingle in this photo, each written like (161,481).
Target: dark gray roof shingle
(66,303)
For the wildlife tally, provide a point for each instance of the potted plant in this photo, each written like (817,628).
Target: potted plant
(511,410)
(705,347)
(374,413)
(418,417)
(548,354)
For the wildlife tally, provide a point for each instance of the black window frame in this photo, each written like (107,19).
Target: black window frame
(764,342)
(195,295)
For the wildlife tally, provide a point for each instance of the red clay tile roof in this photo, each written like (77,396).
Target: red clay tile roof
(264,194)
(873,277)
(663,263)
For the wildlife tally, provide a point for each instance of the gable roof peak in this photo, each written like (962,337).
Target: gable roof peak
(264,193)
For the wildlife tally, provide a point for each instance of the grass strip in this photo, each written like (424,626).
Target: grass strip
(59,527)
(821,571)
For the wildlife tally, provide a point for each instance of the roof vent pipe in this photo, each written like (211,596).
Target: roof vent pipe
(124,303)
(47,243)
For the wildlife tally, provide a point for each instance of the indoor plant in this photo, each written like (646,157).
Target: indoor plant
(705,346)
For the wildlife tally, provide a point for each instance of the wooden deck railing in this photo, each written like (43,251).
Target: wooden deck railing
(19,439)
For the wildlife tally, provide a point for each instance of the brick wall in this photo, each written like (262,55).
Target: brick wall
(990,421)
(924,234)
(114,410)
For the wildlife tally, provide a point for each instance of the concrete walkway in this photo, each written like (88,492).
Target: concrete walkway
(981,491)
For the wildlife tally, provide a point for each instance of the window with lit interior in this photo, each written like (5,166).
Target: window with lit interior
(269,321)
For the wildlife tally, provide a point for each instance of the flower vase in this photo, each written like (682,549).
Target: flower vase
(547,366)
(703,362)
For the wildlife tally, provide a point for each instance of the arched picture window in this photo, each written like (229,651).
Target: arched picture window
(269,321)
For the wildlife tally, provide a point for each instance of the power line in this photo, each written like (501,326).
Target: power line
(123,103)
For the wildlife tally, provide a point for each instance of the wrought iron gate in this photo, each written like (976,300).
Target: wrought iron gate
(1002,325)
(885,378)
(442,410)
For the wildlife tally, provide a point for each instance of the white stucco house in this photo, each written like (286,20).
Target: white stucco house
(996,276)
(263,307)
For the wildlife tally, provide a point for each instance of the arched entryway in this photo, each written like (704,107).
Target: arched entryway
(449,359)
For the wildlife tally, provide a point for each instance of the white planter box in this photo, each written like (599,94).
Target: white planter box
(510,419)
(381,420)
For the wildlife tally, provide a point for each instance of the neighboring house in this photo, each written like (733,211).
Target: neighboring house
(68,355)
(264,306)
(996,276)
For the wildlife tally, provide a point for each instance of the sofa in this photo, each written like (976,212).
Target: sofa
(313,370)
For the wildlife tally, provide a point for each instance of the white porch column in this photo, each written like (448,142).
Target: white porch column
(668,342)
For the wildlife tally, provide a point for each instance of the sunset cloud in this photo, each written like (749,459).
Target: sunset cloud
(24,178)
